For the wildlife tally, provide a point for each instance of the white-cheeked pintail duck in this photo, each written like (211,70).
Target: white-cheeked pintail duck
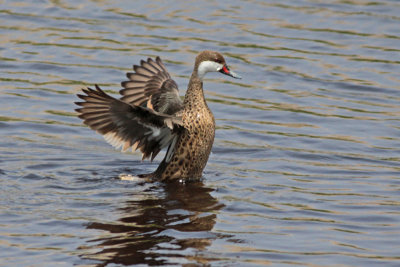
(150,116)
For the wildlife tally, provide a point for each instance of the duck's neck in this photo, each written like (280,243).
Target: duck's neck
(194,93)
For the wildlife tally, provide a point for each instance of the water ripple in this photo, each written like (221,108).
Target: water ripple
(305,164)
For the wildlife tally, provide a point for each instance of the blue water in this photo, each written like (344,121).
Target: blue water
(305,166)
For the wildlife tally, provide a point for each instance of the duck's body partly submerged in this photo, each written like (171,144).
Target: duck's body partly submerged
(151,116)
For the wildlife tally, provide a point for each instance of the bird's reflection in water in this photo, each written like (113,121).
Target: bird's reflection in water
(169,224)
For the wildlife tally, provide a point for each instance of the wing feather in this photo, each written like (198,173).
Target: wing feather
(127,126)
(152,86)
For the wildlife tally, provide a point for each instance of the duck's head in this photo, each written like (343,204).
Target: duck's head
(209,61)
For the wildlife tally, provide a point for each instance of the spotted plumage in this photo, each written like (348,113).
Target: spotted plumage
(151,116)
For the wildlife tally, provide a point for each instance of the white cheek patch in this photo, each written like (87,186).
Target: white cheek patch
(208,66)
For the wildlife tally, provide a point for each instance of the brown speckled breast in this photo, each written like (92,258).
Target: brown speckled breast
(194,144)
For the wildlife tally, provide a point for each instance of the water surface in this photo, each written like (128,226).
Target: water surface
(305,165)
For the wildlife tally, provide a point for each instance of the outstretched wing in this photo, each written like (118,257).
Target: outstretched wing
(127,126)
(151,86)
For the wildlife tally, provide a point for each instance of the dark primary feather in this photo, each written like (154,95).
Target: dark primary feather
(125,125)
(151,86)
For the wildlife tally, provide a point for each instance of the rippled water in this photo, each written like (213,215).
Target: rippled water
(305,166)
